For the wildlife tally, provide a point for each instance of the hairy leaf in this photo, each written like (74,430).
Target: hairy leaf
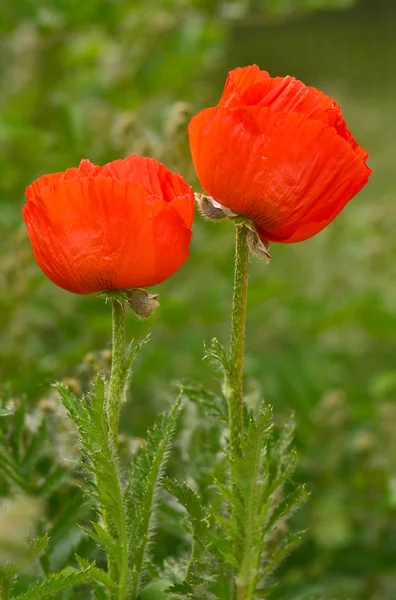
(146,474)
(57,582)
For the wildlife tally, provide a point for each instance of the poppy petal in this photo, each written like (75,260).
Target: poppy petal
(238,81)
(280,170)
(156,178)
(84,243)
(289,95)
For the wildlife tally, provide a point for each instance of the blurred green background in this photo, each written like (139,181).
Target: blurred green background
(104,78)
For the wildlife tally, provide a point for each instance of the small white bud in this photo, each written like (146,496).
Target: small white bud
(211,209)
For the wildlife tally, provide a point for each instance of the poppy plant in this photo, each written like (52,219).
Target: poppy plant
(121,226)
(279,153)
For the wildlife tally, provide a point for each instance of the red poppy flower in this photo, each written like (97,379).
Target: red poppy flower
(279,153)
(121,226)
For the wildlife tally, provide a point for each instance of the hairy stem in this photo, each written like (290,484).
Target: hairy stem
(235,384)
(118,374)
(192,559)
(235,396)
(123,575)
(115,398)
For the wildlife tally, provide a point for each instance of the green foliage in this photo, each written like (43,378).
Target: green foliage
(130,512)
(24,452)
(199,519)
(54,584)
(101,463)
(141,496)
(243,529)
(206,400)
(38,521)
(256,532)
(198,573)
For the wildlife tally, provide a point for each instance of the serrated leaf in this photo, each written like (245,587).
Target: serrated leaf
(54,480)
(74,407)
(89,415)
(101,536)
(40,545)
(217,356)
(133,349)
(99,593)
(34,449)
(272,562)
(190,500)
(256,501)
(146,473)
(57,582)
(286,507)
(208,402)
(97,574)
(10,469)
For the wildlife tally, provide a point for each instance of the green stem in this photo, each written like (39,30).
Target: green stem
(116,391)
(115,398)
(192,559)
(124,570)
(235,396)
(237,347)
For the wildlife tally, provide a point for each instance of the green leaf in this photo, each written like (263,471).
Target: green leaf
(146,475)
(74,407)
(211,404)
(216,355)
(273,559)
(101,465)
(10,470)
(97,574)
(190,500)
(102,537)
(54,480)
(99,593)
(286,507)
(248,533)
(57,582)
(35,449)
(40,545)
(133,349)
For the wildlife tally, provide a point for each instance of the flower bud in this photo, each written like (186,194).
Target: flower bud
(212,210)
(142,303)
(258,246)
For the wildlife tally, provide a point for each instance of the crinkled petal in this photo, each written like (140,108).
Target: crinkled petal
(283,171)
(157,179)
(238,81)
(289,95)
(86,168)
(92,234)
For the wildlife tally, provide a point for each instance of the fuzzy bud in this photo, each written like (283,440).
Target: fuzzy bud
(142,303)
(258,246)
(212,210)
